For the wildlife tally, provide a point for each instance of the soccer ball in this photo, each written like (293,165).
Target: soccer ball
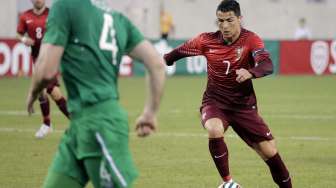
(230,184)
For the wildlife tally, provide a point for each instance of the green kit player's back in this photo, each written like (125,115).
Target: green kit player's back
(95,146)
(94,38)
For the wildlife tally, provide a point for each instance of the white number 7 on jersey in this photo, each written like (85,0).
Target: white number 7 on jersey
(228,67)
(104,44)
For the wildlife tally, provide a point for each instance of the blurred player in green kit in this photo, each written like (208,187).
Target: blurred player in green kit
(88,40)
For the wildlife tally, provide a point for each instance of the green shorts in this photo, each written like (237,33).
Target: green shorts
(98,131)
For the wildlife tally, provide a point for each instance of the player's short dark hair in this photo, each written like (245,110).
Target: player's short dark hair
(229,5)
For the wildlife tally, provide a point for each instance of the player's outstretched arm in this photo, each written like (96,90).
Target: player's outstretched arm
(190,48)
(146,123)
(179,53)
(172,56)
(45,70)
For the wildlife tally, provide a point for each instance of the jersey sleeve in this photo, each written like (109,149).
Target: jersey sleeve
(192,47)
(263,63)
(58,24)
(21,27)
(134,36)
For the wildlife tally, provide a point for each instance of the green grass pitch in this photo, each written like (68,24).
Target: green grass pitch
(301,112)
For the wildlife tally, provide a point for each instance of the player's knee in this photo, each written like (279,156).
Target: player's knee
(266,149)
(215,128)
(270,153)
(55,93)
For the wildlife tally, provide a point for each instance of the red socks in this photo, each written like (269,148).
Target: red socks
(220,156)
(279,172)
(44,104)
(61,103)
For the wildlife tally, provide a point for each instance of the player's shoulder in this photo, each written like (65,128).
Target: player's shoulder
(210,35)
(27,13)
(46,12)
(68,4)
(120,18)
(249,34)
(252,39)
(118,15)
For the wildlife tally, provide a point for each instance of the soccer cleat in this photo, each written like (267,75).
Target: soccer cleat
(230,184)
(43,131)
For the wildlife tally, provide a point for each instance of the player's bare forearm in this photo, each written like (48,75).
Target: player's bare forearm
(146,122)
(44,71)
(48,62)
(37,85)
(262,69)
(156,79)
(156,74)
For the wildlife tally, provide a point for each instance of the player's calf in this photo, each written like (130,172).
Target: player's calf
(45,108)
(279,172)
(57,96)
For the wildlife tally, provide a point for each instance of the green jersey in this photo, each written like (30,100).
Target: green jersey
(94,39)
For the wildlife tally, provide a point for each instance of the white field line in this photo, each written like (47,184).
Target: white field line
(181,134)
(22,113)
(298,116)
(278,116)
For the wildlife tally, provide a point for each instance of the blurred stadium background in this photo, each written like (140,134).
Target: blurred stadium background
(271,19)
(298,102)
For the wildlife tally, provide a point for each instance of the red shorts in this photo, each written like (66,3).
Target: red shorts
(246,123)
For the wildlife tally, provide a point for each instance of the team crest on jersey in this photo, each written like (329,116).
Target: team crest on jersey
(239,52)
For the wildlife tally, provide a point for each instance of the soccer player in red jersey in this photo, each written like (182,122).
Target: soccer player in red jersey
(234,56)
(30,31)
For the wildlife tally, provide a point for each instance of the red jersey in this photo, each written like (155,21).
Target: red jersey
(222,62)
(34,26)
